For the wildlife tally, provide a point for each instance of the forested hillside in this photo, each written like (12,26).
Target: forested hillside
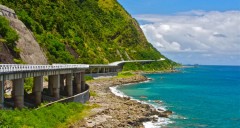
(84,31)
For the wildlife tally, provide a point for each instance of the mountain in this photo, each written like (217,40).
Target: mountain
(84,31)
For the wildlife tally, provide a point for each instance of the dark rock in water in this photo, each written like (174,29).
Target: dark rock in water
(155,112)
(160,109)
(165,113)
(157,101)
(143,97)
(155,119)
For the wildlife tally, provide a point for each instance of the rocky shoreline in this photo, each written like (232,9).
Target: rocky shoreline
(114,111)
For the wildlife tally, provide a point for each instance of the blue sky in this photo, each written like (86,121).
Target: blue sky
(172,6)
(191,31)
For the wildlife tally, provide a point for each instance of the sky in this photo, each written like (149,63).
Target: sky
(203,32)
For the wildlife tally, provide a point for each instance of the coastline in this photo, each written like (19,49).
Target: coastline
(116,111)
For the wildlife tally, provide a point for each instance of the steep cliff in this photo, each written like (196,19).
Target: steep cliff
(84,31)
(30,51)
(17,43)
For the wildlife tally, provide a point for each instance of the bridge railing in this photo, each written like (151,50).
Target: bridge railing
(23,67)
(26,67)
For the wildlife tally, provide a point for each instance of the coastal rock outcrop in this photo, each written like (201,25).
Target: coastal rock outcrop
(117,111)
(30,51)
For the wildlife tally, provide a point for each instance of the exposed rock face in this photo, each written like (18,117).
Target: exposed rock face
(8,12)
(5,55)
(31,52)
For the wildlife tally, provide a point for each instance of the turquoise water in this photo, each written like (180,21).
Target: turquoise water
(206,96)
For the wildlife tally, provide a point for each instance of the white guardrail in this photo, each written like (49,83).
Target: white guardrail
(24,67)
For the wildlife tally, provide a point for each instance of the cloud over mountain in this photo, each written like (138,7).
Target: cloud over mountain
(190,36)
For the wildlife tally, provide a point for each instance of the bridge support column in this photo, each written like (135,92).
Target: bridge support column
(97,70)
(56,86)
(18,88)
(50,85)
(77,78)
(62,77)
(37,89)
(69,84)
(91,72)
(83,81)
(1,94)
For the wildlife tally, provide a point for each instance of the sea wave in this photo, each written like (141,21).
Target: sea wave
(116,92)
(161,121)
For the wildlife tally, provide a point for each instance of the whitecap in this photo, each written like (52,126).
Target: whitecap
(178,117)
(161,122)
(116,92)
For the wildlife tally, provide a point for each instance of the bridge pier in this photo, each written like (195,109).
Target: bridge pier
(91,72)
(56,86)
(50,85)
(69,84)
(37,89)
(18,88)
(83,81)
(1,94)
(77,80)
(114,70)
(62,77)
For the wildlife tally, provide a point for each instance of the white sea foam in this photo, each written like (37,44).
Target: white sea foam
(161,121)
(178,117)
(116,92)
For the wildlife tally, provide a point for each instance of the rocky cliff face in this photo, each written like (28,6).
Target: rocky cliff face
(5,55)
(30,51)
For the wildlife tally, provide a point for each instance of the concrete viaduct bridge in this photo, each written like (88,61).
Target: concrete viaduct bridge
(64,81)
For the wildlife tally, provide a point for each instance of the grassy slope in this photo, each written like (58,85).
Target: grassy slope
(57,115)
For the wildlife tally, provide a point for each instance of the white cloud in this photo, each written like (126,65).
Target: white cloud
(209,34)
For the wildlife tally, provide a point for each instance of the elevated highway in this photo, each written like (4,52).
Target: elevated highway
(63,79)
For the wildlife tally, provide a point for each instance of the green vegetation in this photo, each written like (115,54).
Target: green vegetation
(84,31)
(8,36)
(28,84)
(125,74)
(58,115)
(87,78)
(153,66)
(93,93)
(18,61)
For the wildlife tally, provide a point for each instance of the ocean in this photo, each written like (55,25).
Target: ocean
(200,97)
